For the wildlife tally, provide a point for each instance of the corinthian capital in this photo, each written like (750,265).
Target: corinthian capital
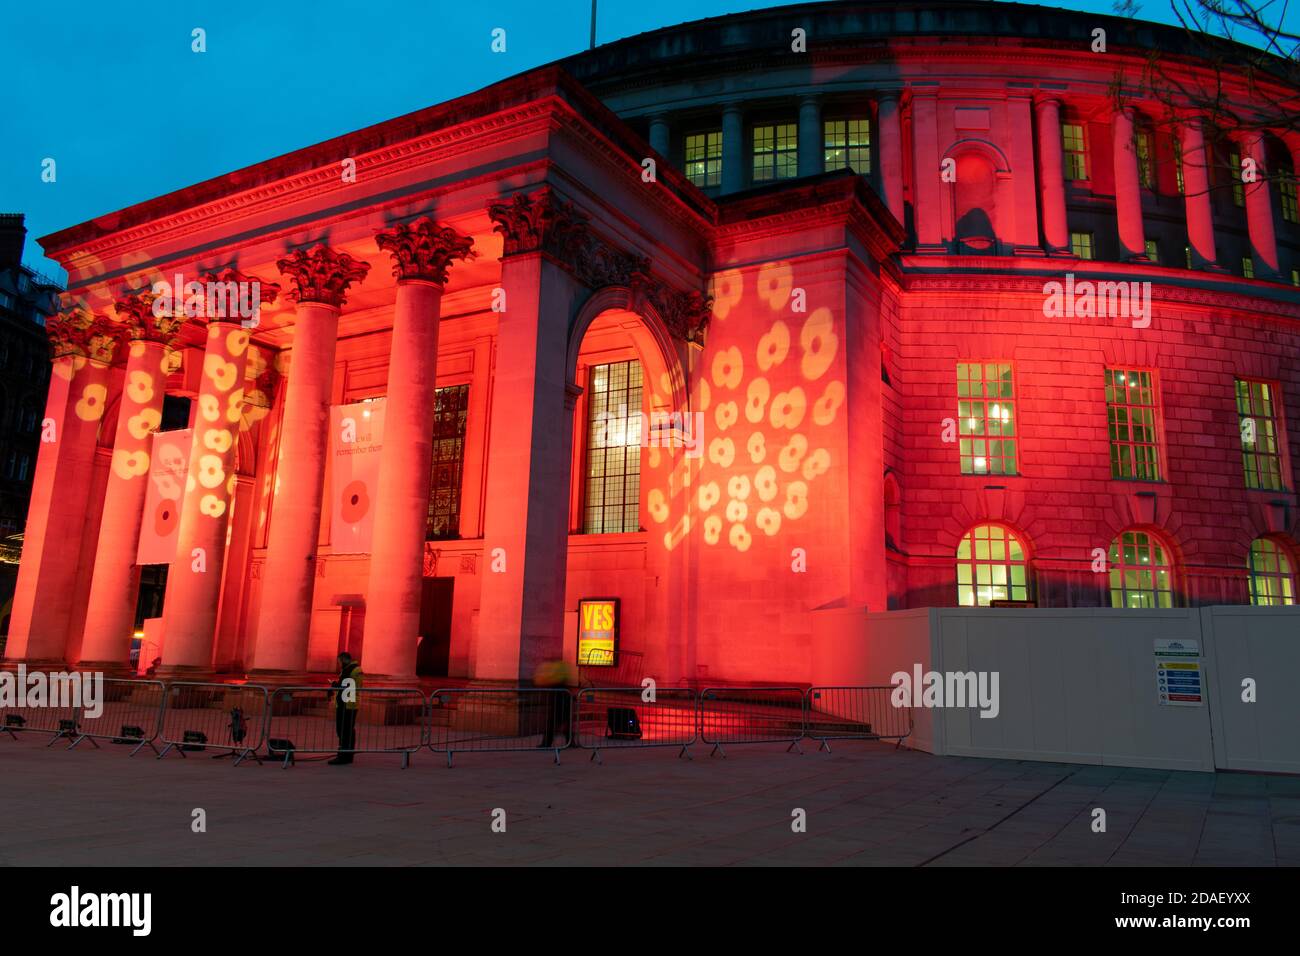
(138,318)
(422,249)
(78,331)
(231,293)
(539,220)
(322,274)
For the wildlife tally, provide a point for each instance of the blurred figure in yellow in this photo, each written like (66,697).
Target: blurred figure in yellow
(556,676)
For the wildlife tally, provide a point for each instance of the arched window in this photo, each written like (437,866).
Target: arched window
(1272,582)
(991,566)
(1140,571)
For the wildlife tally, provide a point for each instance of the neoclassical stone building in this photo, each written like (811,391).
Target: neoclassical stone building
(723,328)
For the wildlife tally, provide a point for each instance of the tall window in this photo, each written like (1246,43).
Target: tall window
(1234,177)
(1272,582)
(776,152)
(1131,419)
(1178,166)
(613,492)
(1286,189)
(1247,267)
(1146,160)
(986,419)
(1153,250)
(1076,151)
(1261,450)
(848,143)
(991,566)
(1081,244)
(704,158)
(1140,573)
(451,406)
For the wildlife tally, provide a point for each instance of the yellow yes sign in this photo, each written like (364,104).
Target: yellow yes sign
(597,631)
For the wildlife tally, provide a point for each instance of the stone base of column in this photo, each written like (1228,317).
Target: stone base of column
(1033,252)
(276,678)
(1137,257)
(34,664)
(112,669)
(931,249)
(1212,267)
(188,673)
(387,680)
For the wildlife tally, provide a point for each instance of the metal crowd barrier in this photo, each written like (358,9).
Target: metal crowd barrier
(607,718)
(855,713)
(58,722)
(130,713)
(479,720)
(388,720)
(231,718)
(751,715)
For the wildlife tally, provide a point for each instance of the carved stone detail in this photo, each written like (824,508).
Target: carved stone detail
(140,322)
(423,249)
(431,556)
(267,292)
(77,331)
(321,274)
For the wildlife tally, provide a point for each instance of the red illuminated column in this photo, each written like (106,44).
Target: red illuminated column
(83,347)
(1196,195)
(1259,206)
(422,253)
(110,614)
(925,170)
(891,152)
(811,155)
(1128,193)
(322,276)
(521,616)
(1020,114)
(733,148)
(1051,171)
(194,580)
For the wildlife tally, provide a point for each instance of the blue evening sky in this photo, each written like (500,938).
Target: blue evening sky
(114,94)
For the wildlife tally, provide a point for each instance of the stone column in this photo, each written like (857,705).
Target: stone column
(890,150)
(322,277)
(811,141)
(1259,206)
(658,138)
(521,616)
(115,581)
(83,347)
(733,148)
(925,170)
(1196,195)
(1051,172)
(422,251)
(1128,192)
(1020,114)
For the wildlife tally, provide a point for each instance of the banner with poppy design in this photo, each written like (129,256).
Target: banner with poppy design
(356,442)
(169,462)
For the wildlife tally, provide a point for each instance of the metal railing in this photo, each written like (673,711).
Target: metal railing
(855,713)
(306,720)
(130,713)
(751,715)
(478,720)
(610,718)
(231,718)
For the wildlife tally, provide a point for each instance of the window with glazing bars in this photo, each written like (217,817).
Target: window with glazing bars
(986,419)
(613,489)
(1131,419)
(1271,582)
(704,158)
(848,144)
(1261,449)
(776,152)
(1076,151)
(451,406)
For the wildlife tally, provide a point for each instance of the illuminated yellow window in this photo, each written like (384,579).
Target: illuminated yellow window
(848,144)
(1081,244)
(986,418)
(1272,582)
(991,566)
(1234,177)
(1153,250)
(1286,187)
(776,152)
(1075,151)
(1140,573)
(1257,423)
(1146,161)
(613,490)
(1131,421)
(1247,267)
(704,158)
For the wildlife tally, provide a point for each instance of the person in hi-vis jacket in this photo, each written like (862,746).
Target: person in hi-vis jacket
(347,689)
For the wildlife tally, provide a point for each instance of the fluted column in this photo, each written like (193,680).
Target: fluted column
(322,277)
(1056,231)
(891,152)
(1128,193)
(1196,194)
(733,148)
(83,349)
(115,580)
(422,251)
(811,142)
(1259,206)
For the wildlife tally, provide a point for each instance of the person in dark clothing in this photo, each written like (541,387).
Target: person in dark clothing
(347,692)
(555,676)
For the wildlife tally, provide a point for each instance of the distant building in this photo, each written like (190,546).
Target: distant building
(26,297)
